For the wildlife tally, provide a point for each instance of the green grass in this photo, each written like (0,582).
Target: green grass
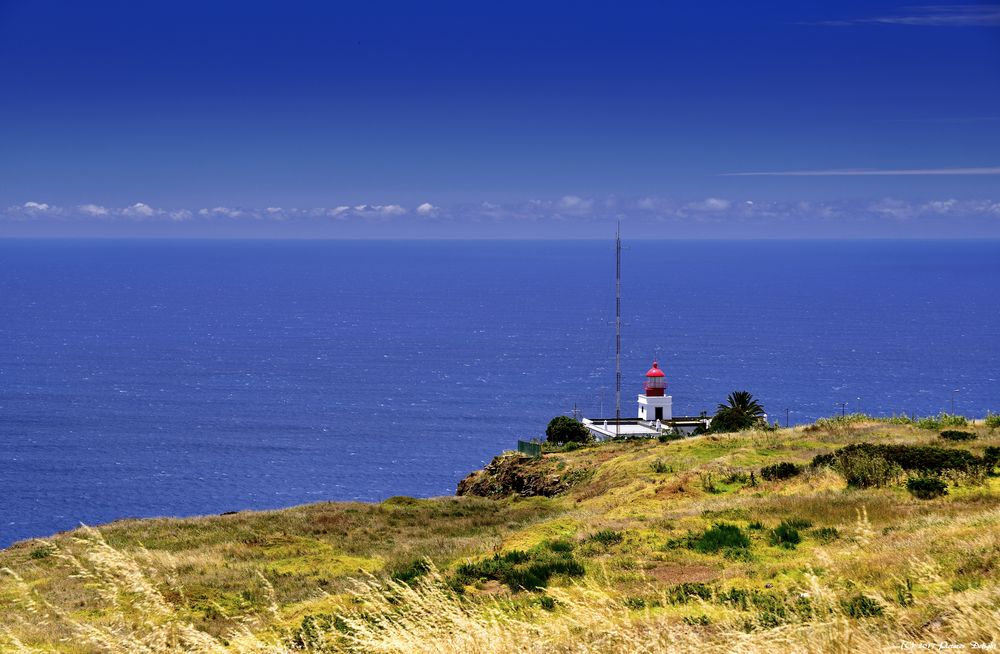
(677,529)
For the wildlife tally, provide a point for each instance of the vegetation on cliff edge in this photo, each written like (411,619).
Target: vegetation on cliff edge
(642,546)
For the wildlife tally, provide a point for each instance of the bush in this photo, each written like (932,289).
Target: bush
(956,435)
(563,429)
(660,466)
(785,535)
(668,436)
(42,552)
(780,471)
(991,457)
(684,592)
(607,537)
(862,469)
(741,412)
(721,536)
(522,570)
(826,534)
(862,606)
(926,488)
(798,523)
(869,464)
(993,420)
(941,420)
(410,571)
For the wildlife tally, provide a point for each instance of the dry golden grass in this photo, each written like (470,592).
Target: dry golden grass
(319,578)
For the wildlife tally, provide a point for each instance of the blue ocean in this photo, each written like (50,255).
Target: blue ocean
(155,378)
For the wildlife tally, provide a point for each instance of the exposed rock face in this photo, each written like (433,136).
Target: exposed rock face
(515,474)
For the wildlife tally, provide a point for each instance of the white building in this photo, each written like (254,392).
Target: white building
(655,414)
(654,403)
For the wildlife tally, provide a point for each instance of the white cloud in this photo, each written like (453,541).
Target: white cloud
(35,209)
(709,204)
(93,210)
(391,210)
(575,204)
(892,208)
(646,204)
(225,212)
(960,15)
(180,214)
(849,172)
(139,210)
(427,209)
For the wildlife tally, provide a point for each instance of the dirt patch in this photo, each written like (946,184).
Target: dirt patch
(680,574)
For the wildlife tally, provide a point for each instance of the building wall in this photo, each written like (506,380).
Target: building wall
(647,407)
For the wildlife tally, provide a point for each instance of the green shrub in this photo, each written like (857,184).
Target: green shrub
(798,523)
(697,620)
(719,537)
(865,470)
(683,593)
(42,552)
(660,466)
(785,535)
(991,457)
(941,420)
(826,534)
(607,537)
(708,483)
(521,570)
(862,606)
(668,436)
(635,603)
(560,545)
(926,488)
(779,471)
(869,464)
(411,570)
(563,429)
(956,435)
(737,477)
(993,420)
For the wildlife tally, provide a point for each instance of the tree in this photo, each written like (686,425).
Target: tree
(741,412)
(563,429)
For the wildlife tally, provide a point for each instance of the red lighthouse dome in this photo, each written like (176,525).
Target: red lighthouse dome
(656,383)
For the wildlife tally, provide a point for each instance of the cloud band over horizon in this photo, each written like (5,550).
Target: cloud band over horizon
(875,172)
(568,216)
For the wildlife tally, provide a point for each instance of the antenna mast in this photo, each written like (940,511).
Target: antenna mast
(618,329)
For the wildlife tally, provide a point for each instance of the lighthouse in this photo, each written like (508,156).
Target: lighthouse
(654,403)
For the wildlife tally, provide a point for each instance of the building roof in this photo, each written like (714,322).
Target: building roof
(654,371)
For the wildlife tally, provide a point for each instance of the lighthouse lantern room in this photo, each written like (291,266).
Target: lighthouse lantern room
(654,403)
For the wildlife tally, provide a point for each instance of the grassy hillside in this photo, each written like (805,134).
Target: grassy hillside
(646,546)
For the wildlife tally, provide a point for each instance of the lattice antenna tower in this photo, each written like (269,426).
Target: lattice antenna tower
(618,329)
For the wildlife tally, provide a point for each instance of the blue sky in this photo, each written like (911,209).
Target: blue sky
(514,119)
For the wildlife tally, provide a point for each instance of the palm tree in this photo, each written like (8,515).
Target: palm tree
(741,412)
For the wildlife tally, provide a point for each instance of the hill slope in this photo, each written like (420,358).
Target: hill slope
(628,546)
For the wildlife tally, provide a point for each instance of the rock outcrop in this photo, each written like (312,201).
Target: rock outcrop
(516,474)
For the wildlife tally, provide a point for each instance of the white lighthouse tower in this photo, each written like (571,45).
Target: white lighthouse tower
(654,404)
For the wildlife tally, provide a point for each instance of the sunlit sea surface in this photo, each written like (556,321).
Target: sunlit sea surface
(178,378)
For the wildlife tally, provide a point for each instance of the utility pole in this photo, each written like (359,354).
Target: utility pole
(843,409)
(618,329)
(786,418)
